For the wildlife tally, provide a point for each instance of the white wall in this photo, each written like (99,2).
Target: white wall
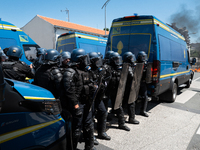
(41,32)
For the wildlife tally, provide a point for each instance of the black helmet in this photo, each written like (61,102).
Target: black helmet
(65,55)
(80,56)
(107,55)
(15,51)
(129,57)
(115,59)
(51,55)
(65,58)
(41,51)
(142,56)
(99,53)
(95,59)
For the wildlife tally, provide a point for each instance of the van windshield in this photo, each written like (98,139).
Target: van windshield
(132,37)
(131,42)
(30,52)
(66,43)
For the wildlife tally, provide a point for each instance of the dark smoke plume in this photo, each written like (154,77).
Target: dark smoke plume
(189,19)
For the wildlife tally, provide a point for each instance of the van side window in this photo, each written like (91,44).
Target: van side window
(165,51)
(30,52)
(171,50)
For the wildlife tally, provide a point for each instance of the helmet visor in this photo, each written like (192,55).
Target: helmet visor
(117,60)
(84,59)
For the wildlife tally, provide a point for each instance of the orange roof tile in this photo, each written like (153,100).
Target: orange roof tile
(73,25)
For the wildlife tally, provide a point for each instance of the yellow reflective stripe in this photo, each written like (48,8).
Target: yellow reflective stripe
(1,26)
(168,29)
(145,22)
(14,134)
(9,27)
(167,75)
(82,36)
(43,98)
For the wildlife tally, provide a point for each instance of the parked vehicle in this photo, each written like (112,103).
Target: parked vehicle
(30,118)
(10,35)
(168,57)
(73,40)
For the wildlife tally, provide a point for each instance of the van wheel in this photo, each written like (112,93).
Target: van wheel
(173,93)
(170,95)
(188,83)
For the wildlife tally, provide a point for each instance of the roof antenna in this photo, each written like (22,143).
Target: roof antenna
(67,12)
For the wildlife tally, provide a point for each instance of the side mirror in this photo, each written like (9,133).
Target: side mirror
(193,61)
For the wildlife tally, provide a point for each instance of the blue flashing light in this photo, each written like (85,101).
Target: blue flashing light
(135,14)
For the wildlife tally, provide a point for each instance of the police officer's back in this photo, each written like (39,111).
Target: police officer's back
(48,75)
(14,68)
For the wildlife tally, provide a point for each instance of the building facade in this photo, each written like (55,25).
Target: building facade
(45,31)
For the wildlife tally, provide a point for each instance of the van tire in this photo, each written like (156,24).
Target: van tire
(170,95)
(188,83)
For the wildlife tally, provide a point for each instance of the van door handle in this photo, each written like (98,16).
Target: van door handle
(176,64)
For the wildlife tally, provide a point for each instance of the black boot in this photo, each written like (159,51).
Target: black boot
(101,127)
(131,113)
(121,119)
(95,141)
(76,137)
(89,138)
(144,107)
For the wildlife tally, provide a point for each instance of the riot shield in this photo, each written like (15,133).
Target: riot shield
(149,73)
(135,86)
(121,86)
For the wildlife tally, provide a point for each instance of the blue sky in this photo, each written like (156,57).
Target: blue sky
(89,12)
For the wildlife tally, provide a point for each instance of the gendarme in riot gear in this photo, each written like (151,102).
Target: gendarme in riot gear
(119,77)
(14,68)
(129,58)
(48,75)
(38,61)
(77,93)
(99,76)
(142,58)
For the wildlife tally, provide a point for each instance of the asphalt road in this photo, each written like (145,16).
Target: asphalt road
(170,126)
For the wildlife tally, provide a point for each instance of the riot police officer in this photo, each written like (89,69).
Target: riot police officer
(77,93)
(101,115)
(65,59)
(116,68)
(48,75)
(106,57)
(142,58)
(38,61)
(129,58)
(14,68)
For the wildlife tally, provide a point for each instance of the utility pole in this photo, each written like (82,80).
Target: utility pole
(67,12)
(105,4)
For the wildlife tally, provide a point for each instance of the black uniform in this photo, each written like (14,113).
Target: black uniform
(143,92)
(78,89)
(131,106)
(101,110)
(49,77)
(17,70)
(112,90)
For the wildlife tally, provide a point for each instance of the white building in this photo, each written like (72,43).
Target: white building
(45,31)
